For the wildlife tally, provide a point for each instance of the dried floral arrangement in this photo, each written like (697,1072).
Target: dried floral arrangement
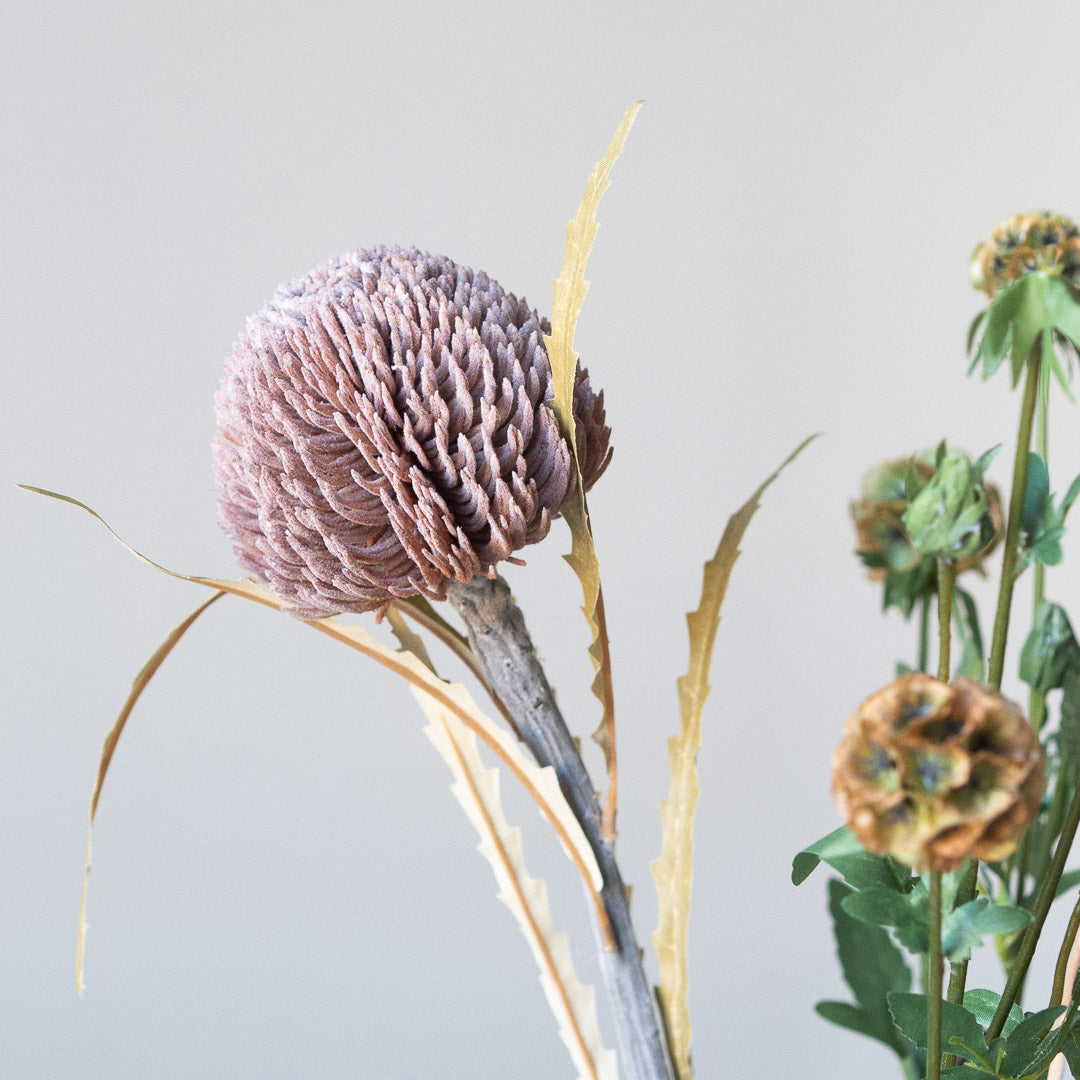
(393,425)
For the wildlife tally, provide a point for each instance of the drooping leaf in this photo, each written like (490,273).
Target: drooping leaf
(477,789)
(540,783)
(857,866)
(849,1016)
(872,966)
(108,749)
(570,289)
(672,870)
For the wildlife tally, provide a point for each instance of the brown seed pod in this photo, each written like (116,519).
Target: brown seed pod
(1024,244)
(933,772)
(385,427)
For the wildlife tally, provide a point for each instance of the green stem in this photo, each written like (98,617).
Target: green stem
(946,580)
(924,633)
(1063,955)
(933,990)
(1038,917)
(1037,698)
(1012,528)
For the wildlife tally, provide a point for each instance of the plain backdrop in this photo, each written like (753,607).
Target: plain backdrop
(283,885)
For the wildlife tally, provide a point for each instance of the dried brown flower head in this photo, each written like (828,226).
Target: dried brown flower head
(1024,244)
(933,773)
(385,427)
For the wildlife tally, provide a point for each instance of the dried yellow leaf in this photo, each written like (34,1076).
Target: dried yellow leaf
(477,789)
(672,871)
(540,783)
(570,289)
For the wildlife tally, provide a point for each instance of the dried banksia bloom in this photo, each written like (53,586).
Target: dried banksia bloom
(885,545)
(385,427)
(1040,242)
(933,772)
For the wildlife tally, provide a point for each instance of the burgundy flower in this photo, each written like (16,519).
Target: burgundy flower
(385,427)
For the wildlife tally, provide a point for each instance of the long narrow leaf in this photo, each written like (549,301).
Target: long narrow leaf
(540,783)
(570,289)
(477,789)
(672,871)
(139,684)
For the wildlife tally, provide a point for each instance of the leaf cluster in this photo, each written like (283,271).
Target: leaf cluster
(1036,311)
(1028,1042)
(1042,523)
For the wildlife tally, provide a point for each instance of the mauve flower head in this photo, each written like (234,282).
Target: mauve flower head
(386,427)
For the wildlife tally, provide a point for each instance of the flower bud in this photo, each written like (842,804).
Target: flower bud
(950,517)
(1025,244)
(933,773)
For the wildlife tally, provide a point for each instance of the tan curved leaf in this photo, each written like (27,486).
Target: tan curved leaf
(672,870)
(540,783)
(570,289)
(477,789)
(138,685)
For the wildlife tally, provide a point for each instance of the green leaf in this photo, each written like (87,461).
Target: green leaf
(872,966)
(1069,736)
(982,1004)
(1050,650)
(857,866)
(1071,1050)
(851,1017)
(878,907)
(959,1028)
(1022,1048)
(969,636)
(964,928)
(1036,494)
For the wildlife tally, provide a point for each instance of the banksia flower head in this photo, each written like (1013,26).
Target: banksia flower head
(1025,244)
(385,427)
(884,540)
(932,773)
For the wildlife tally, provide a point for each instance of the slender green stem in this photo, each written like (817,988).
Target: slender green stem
(1039,912)
(933,990)
(924,633)
(965,892)
(1012,528)
(1063,954)
(1037,698)
(946,580)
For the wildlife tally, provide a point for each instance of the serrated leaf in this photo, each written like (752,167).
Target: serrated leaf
(959,1028)
(982,1004)
(672,870)
(878,907)
(570,289)
(477,789)
(108,749)
(857,866)
(872,966)
(1024,1045)
(540,783)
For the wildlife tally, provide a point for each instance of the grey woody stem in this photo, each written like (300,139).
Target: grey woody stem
(501,642)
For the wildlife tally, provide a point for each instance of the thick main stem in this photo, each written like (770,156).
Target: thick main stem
(501,642)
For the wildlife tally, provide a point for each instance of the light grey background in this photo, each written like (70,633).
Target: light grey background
(283,885)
